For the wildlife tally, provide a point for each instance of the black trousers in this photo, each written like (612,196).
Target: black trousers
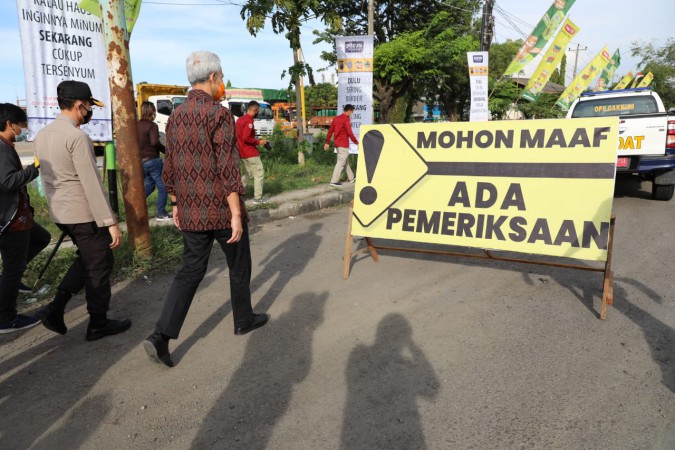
(196,251)
(17,250)
(92,268)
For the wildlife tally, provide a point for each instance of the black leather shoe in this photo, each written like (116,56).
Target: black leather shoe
(52,319)
(111,327)
(158,349)
(258,321)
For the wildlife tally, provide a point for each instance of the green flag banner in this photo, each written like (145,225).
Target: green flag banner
(581,82)
(605,79)
(646,81)
(624,81)
(549,62)
(131,10)
(540,36)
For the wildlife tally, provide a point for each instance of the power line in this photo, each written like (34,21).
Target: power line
(513,16)
(454,7)
(511,27)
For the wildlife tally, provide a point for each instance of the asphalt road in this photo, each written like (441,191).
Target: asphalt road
(411,352)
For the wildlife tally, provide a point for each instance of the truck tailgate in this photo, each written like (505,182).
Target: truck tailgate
(643,135)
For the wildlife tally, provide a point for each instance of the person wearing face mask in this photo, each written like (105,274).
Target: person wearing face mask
(21,239)
(202,178)
(79,206)
(248,150)
(151,147)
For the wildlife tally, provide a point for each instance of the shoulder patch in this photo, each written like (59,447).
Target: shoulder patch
(250,125)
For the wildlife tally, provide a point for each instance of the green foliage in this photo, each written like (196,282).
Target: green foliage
(501,55)
(543,108)
(395,17)
(322,94)
(660,60)
(418,52)
(167,251)
(559,75)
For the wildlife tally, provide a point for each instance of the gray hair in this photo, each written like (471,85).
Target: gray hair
(200,65)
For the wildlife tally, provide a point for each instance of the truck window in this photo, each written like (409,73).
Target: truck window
(265,113)
(624,106)
(238,108)
(177,101)
(164,107)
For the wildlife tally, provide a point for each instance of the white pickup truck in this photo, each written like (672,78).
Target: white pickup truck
(646,134)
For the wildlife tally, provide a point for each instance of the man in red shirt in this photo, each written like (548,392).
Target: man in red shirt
(342,129)
(248,149)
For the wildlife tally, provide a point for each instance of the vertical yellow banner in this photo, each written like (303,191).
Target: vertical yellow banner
(624,81)
(549,62)
(646,81)
(583,80)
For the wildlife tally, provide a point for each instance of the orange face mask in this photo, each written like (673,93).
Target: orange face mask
(221,92)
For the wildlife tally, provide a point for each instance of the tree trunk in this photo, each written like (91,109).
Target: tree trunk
(393,106)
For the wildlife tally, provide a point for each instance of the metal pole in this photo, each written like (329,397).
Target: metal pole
(111,168)
(301,58)
(298,108)
(576,59)
(126,133)
(483,25)
(371,17)
(49,260)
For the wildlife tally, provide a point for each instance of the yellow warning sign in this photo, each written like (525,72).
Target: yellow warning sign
(540,187)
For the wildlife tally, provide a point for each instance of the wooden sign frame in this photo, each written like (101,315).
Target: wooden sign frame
(608,275)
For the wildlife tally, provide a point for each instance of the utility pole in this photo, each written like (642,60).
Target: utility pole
(371,17)
(576,58)
(487,26)
(124,120)
(299,107)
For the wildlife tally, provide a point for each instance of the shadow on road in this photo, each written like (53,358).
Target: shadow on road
(630,186)
(50,381)
(659,336)
(277,357)
(384,382)
(288,260)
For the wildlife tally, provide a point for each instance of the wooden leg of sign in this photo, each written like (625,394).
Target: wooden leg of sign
(372,250)
(348,246)
(608,281)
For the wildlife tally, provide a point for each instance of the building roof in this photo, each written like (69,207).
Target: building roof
(550,88)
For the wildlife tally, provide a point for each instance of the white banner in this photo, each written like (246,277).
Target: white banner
(355,80)
(61,42)
(478,77)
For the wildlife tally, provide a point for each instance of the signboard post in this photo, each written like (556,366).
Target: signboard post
(61,41)
(540,187)
(355,80)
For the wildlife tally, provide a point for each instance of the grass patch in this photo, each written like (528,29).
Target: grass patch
(167,247)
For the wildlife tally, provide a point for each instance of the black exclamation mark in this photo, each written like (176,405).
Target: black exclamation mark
(373,142)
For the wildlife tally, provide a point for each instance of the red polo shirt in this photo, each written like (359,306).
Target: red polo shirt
(246,137)
(342,128)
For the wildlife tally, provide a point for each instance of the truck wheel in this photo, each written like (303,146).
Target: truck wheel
(662,191)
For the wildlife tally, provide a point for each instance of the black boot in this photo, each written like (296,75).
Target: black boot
(52,314)
(100,326)
(157,348)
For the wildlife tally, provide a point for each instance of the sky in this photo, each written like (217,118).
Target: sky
(168,30)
